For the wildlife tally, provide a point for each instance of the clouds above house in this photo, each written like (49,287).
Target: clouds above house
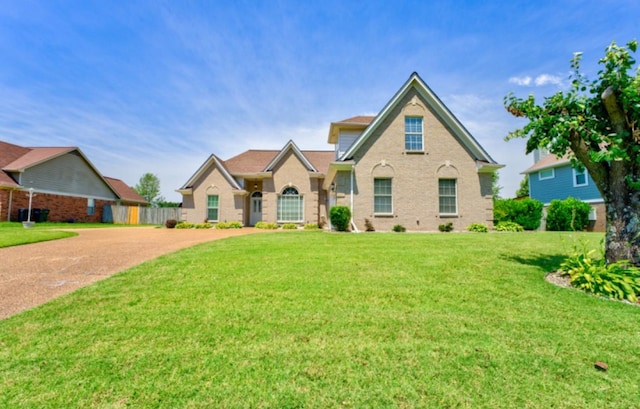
(156,87)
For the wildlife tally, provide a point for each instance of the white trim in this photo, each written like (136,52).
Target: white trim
(374,197)
(414,133)
(457,212)
(553,174)
(586,178)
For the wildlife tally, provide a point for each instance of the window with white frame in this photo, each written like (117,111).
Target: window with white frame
(290,206)
(546,174)
(382,196)
(447,196)
(413,134)
(91,206)
(579,178)
(213,207)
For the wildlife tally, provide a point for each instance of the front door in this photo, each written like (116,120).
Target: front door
(256,208)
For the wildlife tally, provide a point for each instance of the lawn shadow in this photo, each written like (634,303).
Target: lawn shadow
(546,263)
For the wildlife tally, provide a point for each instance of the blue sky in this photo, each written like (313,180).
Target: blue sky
(157,86)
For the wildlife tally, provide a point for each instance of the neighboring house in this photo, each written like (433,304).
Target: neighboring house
(413,164)
(552,178)
(63,180)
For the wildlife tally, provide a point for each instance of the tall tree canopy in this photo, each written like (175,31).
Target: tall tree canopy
(595,123)
(149,187)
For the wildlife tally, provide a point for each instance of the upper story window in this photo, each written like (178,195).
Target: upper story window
(413,134)
(580,178)
(546,174)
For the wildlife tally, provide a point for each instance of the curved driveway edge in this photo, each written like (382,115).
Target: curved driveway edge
(33,274)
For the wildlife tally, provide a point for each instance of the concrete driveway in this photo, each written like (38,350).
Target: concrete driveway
(33,274)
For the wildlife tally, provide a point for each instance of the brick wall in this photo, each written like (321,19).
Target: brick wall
(61,208)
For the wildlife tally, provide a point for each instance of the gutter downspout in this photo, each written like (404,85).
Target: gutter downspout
(9,207)
(354,228)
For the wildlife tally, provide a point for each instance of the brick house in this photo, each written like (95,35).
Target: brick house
(412,164)
(63,180)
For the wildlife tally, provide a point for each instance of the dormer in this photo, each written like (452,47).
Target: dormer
(342,134)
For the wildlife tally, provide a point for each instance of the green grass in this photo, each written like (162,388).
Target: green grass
(317,320)
(14,234)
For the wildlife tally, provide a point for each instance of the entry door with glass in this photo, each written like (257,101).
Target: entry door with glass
(256,208)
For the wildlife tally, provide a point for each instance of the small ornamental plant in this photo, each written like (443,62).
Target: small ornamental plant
(398,228)
(266,226)
(171,223)
(446,227)
(478,228)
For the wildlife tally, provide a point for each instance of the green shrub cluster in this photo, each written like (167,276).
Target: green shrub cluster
(266,226)
(508,226)
(478,228)
(526,212)
(620,280)
(340,217)
(398,228)
(189,225)
(289,226)
(311,226)
(446,227)
(228,225)
(570,214)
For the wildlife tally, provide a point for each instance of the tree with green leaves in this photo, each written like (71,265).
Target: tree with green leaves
(149,187)
(596,124)
(495,186)
(523,190)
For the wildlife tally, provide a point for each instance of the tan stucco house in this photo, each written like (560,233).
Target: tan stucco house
(413,164)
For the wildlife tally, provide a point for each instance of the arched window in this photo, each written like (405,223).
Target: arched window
(290,205)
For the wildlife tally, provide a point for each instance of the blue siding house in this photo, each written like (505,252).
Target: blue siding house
(553,178)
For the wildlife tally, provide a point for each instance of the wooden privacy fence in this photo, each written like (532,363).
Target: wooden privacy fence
(140,215)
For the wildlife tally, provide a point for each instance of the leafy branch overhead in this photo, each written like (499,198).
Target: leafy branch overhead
(595,124)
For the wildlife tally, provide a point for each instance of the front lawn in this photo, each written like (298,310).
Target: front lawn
(317,320)
(14,234)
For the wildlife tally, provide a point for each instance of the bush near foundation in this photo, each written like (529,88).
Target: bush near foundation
(526,212)
(568,215)
(340,217)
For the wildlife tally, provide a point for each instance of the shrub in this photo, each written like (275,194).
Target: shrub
(289,226)
(478,228)
(619,280)
(311,226)
(446,227)
(205,225)
(508,226)
(171,223)
(526,212)
(398,228)
(368,226)
(185,225)
(266,226)
(568,215)
(228,225)
(340,216)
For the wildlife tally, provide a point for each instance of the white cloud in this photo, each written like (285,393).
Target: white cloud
(522,81)
(539,81)
(545,79)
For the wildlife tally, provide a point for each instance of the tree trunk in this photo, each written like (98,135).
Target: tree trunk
(622,200)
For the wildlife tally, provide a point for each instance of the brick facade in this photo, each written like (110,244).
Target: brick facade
(61,208)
